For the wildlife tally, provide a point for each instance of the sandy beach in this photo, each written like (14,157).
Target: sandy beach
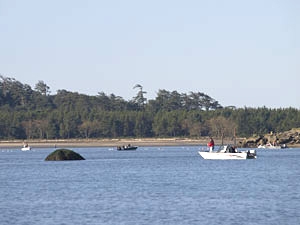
(69,143)
(106,142)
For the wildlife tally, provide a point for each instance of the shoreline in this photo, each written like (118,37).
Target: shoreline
(61,143)
(140,142)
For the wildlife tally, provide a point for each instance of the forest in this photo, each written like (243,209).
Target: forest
(27,113)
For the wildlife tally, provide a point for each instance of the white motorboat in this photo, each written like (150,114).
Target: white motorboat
(270,146)
(229,152)
(26,147)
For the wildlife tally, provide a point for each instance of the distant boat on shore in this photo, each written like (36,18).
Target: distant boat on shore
(270,146)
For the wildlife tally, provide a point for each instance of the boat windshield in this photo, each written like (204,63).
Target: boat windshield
(227,149)
(222,148)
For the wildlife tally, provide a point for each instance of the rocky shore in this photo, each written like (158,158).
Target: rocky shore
(290,138)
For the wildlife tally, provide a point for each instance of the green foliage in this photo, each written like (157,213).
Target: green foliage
(42,88)
(32,114)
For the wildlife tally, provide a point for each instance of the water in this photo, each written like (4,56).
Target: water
(152,185)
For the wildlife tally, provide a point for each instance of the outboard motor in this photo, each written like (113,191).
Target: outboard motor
(251,153)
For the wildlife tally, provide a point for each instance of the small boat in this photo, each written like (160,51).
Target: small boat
(270,146)
(126,148)
(26,147)
(229,152)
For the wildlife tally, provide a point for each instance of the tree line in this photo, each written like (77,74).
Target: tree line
(27,113)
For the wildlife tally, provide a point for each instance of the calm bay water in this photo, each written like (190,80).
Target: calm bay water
(152,185)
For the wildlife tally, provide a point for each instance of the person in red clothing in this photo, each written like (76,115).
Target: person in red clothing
(211,144)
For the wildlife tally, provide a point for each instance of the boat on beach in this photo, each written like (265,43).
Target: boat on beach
(271,146)
(228,152)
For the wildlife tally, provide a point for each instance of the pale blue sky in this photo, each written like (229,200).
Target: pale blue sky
(241,53)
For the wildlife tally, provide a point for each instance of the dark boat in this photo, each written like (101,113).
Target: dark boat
(125,148)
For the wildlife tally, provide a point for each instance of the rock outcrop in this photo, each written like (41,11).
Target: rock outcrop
(290,138)
(63,154)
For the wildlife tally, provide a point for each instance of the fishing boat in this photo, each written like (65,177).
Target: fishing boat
(26,147)
(126,148)
(228,152)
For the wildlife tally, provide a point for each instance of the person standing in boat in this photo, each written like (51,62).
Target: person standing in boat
(211,144)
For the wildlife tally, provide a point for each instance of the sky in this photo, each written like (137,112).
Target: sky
(241,53)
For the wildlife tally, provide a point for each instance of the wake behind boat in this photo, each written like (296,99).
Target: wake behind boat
(228,152)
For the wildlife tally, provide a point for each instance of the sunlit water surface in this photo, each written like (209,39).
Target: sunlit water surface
(152,185)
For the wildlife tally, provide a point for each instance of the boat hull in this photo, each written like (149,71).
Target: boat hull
(127,148)
(223,156)
(26,149)
(270,147)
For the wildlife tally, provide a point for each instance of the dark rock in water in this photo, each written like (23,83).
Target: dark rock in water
(63,154)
